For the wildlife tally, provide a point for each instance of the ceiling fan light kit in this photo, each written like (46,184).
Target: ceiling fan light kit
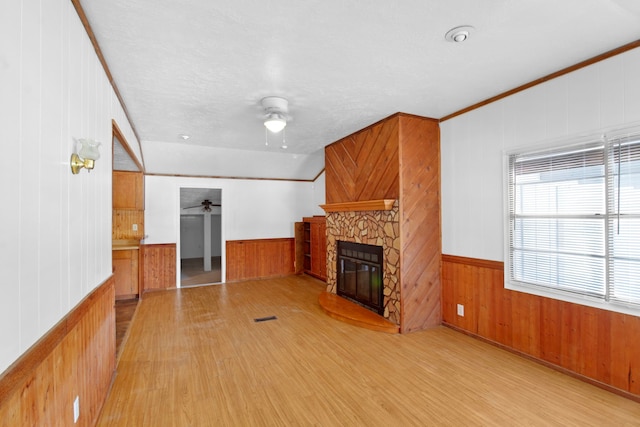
(275,110)
(205,205)
(275,122)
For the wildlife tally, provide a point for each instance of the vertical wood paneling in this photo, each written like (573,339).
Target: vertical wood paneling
(158,266)
(598,344)
(123,220)
(260,258)
(419,178)
(75,358)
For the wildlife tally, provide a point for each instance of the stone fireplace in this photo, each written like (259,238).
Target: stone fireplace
(372,227)
(383,188)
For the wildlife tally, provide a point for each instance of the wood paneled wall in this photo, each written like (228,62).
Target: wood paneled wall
(158,266)
(600,345)
(364,165)
(122,227)
(252,259)
(75,358)
(420,238)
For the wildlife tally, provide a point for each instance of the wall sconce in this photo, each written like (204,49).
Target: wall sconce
(86,157)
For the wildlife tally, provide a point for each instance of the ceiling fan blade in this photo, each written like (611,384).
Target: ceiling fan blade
(196,206)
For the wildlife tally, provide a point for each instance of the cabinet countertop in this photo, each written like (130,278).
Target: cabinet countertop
(125,248)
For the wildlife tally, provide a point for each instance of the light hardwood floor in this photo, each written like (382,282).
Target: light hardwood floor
(195,357)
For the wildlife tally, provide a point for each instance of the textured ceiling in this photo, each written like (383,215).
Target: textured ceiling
(201,67)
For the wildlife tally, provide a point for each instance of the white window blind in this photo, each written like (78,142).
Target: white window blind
(574,219)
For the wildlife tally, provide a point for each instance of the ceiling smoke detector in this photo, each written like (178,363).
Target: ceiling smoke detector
(275,110)
(459,34)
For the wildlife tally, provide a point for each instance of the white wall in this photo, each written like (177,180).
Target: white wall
(603,95)
(319,195)
(56,227)
(251,209)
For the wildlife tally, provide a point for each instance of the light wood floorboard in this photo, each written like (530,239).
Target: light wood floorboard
(195,357)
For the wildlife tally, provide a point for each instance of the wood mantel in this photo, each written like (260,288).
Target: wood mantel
(367,205)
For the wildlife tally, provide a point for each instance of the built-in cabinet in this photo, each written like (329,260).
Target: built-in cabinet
(311,247)
(127,231)
(158,262)
(126,272)
(128,190)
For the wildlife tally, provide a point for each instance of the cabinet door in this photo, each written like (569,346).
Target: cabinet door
(128,190)
(125,272)
(122,274)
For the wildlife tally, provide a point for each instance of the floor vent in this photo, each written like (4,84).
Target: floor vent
(264,319)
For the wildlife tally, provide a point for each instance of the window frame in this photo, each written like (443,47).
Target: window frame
(562,145)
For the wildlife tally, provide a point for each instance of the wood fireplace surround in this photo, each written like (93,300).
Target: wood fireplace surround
(383,188)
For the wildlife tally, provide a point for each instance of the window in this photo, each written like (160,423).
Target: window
(574,221)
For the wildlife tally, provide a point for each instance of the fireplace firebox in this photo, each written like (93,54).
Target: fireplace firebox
(359,275)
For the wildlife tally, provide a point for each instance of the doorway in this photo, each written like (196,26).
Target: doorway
(200,236)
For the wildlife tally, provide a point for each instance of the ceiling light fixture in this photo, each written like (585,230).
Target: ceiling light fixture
(275,109)
(275,122)
(184,136)
(459,34)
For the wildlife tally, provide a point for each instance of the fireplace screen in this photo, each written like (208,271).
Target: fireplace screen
(360,274)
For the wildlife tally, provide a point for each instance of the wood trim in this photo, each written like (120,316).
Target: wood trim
(19,370)
(482,263)
(228,177)
(267,240)
(317,218)
(549,365)
(586,63)
(318,175)
(367,205)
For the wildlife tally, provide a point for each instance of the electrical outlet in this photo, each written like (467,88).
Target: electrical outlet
(76,409)
(460,310)
(135,227)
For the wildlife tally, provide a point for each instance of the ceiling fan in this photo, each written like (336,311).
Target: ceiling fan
(206,205)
